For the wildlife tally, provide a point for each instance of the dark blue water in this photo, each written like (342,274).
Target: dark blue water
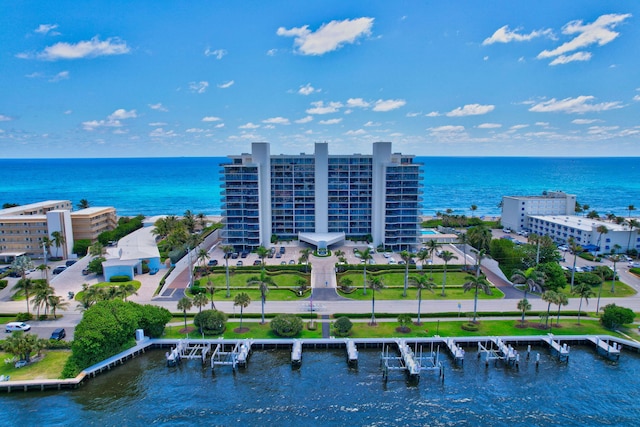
(588,391)
(173,185)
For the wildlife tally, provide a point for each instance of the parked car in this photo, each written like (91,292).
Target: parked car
(563,248)
(634,265)
(59,269)
(278,255)
(234,255)
(386,254)
(58,334)
(17,326)
(257,262)
(244,254)
(392,261)
(282,250)
(20,363)
(283,263)
(212,262)
(292,262)
(153,271)
(70,262)
(85,272)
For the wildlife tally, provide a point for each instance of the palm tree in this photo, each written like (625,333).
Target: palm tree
(185,304)
(423,256)
(243,300)
(575,248)
(531,278)
(41,293)
(631,208)
(632,223)
(24,285)
(585,292)
(96,249)
(479,237)
(44,270)
(46,243)
(84,204)
(202,219)
(200,300)
(523,306)
(561,300)
(375,284)
(432,247)
(189,221)
(365,254)
(550,297)
(304,258)
(127,290)
(56,303)
(421,282)
(446,257)
(601,229)
(474,208)
(339,253)
(464,241)
(263,281)
(58,240)
(202,257)
(262,253)
(211,289)
(227,249)
(477,282)
(406,257)
(615,259)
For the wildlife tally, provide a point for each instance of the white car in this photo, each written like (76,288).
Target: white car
(634,264)
(17,326)
(392,261)
(386,255)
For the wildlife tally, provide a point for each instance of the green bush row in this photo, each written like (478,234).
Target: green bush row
(118,279)
(269,269)
(454,315)
(3,283)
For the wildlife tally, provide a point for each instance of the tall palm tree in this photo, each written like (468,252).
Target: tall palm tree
(126,290)
(601,229)
(365,254)
(561,300)
(84,204)
(584,291)
(262,253)
(375,284)
(202,257)
(479,237)
(423,256)
(406,257)
(523,306)
(304,258)
(476,283)
(263,281)
(227,249)
(185,304)
(56,303)
(44,270)
(46,244)
(339,253)
(631,208)
(24,285)
(432,247)
(211,289)
(531,278)
(446,257)
(96,249)
(188,219)
(575,248)
(200,300)
(473,208)
(58,240)
(41,293)
(632,223)
(464,241)
(615,259)
(550,297)
(243,300)
(422,283)
(202,220)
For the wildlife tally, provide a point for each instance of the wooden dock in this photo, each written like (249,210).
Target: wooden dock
(611,351)
(455,350)
(561,351)
(352,352)
(296,353)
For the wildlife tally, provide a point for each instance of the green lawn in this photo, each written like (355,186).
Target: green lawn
(239,280)
(256,330)
(48,367)
(622,290)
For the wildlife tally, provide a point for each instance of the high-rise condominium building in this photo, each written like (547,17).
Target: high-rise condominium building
(321,198)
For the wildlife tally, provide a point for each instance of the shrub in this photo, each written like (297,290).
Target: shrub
(145,268)
(23,317)
(153,319)
(342,326)
(81,247)
(212,322)
(3,283)
(118,279)
(615,316)
(471,327)
(195,290)
(287,325)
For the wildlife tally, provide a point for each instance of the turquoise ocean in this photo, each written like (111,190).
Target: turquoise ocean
(152,186)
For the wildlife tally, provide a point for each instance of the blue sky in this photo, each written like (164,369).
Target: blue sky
(455,78)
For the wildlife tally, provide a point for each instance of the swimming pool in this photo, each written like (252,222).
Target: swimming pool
(428,231)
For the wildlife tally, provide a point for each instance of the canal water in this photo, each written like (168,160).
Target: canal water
(587,391)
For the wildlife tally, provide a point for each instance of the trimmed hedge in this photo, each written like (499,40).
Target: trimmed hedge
(3,283)
(118,279)
(454,315)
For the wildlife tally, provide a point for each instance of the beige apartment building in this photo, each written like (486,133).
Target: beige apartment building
(23,228)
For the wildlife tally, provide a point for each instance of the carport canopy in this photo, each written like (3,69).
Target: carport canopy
(321,240)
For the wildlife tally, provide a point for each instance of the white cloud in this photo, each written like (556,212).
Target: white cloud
(584,121)
(272,52)
(485,58)
(304,120)
(157,124)
(249,126)
(471,110)
(62,75)
(505,35)
(85,49)
(357,102)
(489,126)
(218,53)
(211,119)
(68,112)
(328,37)
(578,105)
(219,126)
(564,59)
(158,107)
(518,127)
(119,131)
(636,98)
(198,87)
(276,121)
(599,130)
(388,104)
(447,129)
(320,108)
(161,133)
(92,125)
(330,122)
(356,132)
(370,123)
(34,75)
(599,32)
(307,89)
(195,130)
(544,124)
(226,85)
(121,114)
(47,29)
(433,114)
(4,118)
(414,114)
